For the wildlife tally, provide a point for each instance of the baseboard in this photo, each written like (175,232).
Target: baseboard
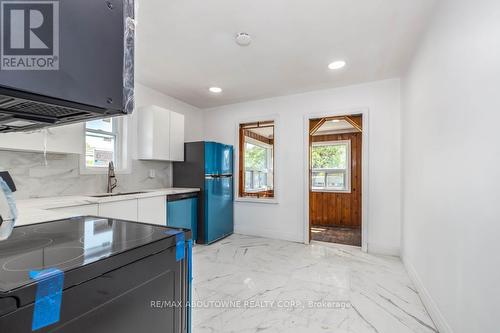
(383,250)
(429,304)
(268,233)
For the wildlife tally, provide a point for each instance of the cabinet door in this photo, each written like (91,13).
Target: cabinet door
(153,133)
(123,210)
(80,210)
(161,137)
(176,136)
(68,139)
(152,210)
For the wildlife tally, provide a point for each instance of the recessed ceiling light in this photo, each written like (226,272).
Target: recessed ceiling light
(215,90)
(336,121)
(243,39)
(337,64)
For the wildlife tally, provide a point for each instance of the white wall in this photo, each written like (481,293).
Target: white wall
(451,159)
(286,219)
(145,96)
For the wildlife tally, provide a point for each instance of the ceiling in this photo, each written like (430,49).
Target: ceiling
(186,46)
(267,132)
(330,127)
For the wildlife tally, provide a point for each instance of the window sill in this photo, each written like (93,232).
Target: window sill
(271,201)
(332,191)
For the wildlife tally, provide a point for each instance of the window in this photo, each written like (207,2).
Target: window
(104,143)
(257,160)
(331,166)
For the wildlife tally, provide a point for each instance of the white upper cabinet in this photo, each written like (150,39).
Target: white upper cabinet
(176,136)
(160,134)
(66,139)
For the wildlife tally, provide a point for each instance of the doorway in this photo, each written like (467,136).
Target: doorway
(335,179)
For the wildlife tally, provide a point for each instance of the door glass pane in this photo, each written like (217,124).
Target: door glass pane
(330,165)
(335,181)
(318,179)
(332,156)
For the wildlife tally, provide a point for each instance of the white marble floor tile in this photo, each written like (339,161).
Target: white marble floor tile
(250,284)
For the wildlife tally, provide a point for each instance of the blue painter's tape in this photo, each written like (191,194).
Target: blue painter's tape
(180,248)
(48,297)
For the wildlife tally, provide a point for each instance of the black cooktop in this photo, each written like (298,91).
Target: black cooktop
(69,244)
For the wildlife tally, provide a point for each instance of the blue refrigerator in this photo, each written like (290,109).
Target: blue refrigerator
(209,166)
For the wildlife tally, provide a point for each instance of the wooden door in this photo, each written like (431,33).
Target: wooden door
(339,209)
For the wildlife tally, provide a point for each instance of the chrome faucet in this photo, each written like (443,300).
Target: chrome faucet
(8,209)
(112,182)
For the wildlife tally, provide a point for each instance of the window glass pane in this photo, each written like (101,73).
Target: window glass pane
(257,140)
(318,179)
(101,124)
(336,181)
(248,179)
(332,156)
(330,166)
(256,181)
(255,157)
(258,157)
(99,150)
(263,180)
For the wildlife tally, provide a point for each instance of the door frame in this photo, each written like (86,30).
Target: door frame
(364,111)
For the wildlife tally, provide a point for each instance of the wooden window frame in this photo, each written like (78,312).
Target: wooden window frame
(243,131)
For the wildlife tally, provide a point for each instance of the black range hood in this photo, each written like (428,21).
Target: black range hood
(90,48)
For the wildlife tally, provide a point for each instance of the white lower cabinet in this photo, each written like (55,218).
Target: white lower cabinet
(152,210)
(80,210)
(123,210)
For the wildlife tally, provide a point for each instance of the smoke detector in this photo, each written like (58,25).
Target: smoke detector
(243,39)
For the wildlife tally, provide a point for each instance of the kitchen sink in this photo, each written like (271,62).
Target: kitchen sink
(104,195)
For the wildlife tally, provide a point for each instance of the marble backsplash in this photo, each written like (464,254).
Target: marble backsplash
(59,174)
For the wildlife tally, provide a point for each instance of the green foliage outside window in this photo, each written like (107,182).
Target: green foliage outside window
(329,157)
(255,157)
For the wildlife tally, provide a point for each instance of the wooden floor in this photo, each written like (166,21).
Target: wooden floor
(339,235)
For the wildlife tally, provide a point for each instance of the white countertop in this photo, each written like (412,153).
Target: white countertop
(37,210)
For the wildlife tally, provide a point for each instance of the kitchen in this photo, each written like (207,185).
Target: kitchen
(177,166)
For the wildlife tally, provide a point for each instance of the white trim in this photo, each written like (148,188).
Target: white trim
(256,200)
(429,303)
(365,223)
(268,233)
(277,153)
